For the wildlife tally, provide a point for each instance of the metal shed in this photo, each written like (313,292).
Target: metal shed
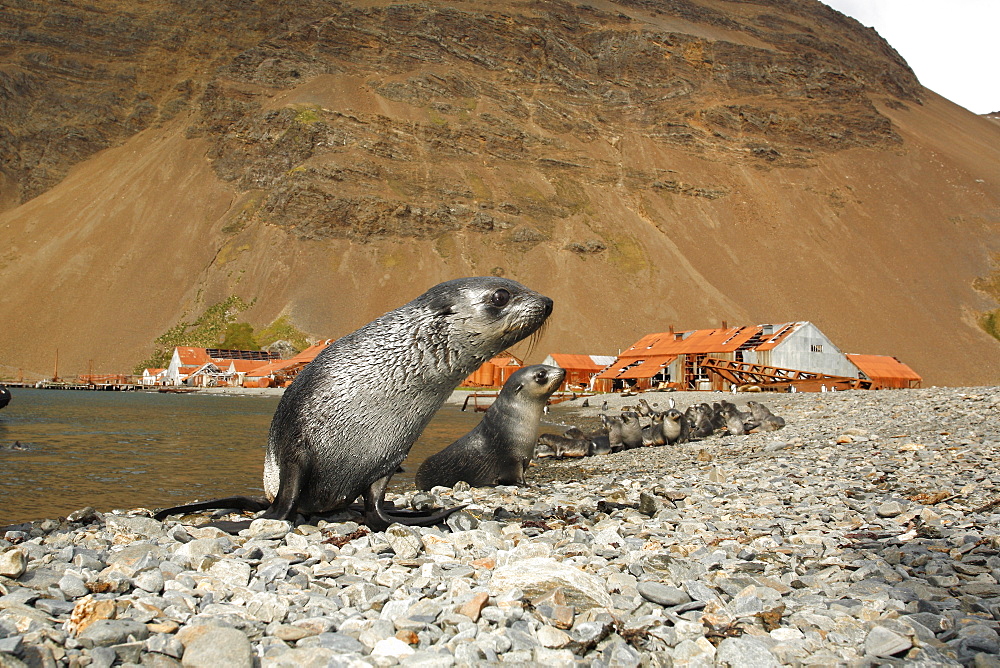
(885,372)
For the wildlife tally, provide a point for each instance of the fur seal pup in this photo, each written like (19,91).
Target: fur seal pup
(599,445)
(577,447)
(738,423)
(4,396)
(572,443)
(348,420)
(614,425)
(767,420)
(652,434)
(543,451)
(701,419)
(497,451)
(557,443)
(631,430)
(675,427)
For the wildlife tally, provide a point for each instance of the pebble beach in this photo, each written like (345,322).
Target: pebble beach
(866,532)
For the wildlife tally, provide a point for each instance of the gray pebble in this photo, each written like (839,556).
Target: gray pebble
(73,586)
(219,646)
(662,594)
(102,657)
(882,642)
(745,652)
(107,632)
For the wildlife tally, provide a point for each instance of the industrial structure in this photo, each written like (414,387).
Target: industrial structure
(782,356)
(581,370)
(494,372)
(789,356)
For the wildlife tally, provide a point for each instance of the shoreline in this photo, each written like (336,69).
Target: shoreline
(456,397)
(867,531)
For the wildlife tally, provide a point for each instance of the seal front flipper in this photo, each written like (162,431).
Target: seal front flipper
(251,503)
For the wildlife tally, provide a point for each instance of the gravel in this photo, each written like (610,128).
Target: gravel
(866,532)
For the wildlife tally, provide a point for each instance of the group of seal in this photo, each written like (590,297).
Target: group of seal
(498,450)
(348,420)
(724,417)
(625,431)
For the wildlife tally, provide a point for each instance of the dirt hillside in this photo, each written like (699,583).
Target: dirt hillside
(643,163)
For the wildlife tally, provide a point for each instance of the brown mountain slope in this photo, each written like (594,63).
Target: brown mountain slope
(643,163)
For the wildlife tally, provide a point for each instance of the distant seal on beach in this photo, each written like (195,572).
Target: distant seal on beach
(614,425)
(348,420)
(631,430)
(497,451)
(738,423)
(675,427)
(767,420)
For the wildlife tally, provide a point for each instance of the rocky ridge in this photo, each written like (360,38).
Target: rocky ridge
(864,533)
(463,77)
(102,76)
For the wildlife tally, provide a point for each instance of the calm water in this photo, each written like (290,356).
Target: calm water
(138,449)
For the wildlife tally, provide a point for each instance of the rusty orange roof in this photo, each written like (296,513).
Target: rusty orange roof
(300,360)
(781,332)
(269,368)
(706,341)
(883,368)
(691,342)
(637,367)
(242,366)
(505,359)
(648,368)
(190,356)
(580,362)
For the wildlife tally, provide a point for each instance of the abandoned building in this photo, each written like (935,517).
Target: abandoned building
(782,356)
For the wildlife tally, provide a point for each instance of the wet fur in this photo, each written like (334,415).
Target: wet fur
(350,417)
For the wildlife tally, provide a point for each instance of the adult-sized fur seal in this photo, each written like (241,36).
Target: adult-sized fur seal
(348,420)
(497,451)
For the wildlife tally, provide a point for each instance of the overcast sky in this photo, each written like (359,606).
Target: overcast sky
(949,44)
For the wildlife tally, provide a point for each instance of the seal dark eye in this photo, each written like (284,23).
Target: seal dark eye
(500,298)
(540,377)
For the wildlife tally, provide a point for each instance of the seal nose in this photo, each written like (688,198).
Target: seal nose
(547,305)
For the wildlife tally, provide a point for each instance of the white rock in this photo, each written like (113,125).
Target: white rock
(13,563)
(392,647)
(539,575)
(231,571)
(551,637)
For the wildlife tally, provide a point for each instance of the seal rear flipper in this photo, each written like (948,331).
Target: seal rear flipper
(293,480)
(422,518)
(389,509)
(378,514)
(228,526)
(251,503)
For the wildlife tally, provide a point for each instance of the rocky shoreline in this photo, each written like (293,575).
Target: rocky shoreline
(866,532)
